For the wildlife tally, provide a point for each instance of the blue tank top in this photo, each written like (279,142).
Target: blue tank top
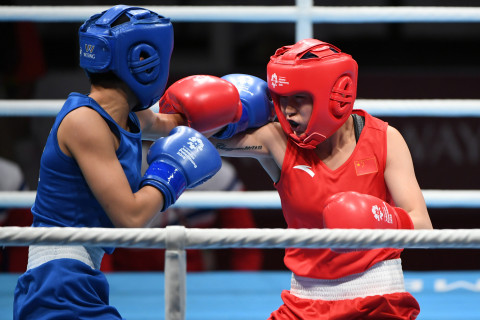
(63,196)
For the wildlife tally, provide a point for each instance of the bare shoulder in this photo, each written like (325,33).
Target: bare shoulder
(272,127)
(398,153)
(395,141)
(271,133)
(270,137)
(393,133)
(83,120)
(82,128)
(274,138)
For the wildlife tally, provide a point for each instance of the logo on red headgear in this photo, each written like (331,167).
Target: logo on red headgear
(274,80)
(278,81)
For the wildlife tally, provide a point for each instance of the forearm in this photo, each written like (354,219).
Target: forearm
(241,145)
(410,198)
(135,210)
(420,218)
(157,125)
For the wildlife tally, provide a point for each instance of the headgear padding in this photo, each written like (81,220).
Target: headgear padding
(137,51)
(323,71)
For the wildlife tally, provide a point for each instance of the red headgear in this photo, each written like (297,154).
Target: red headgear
(323,71)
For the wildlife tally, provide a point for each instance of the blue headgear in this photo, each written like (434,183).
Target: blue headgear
(137,51)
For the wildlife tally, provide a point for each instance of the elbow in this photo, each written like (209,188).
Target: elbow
(132,219)
(139,210)
(424,227)
(128,223)
(422,224)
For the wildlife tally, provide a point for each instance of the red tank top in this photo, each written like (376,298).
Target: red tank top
(306,182)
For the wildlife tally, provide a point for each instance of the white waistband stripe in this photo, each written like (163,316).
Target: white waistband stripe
(38,255)
(383,278)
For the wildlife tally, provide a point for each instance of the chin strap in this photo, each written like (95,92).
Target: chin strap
(358,124)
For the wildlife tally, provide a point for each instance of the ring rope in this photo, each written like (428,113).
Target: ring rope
(304,9)
(377,107)
(258,199)
(190,238)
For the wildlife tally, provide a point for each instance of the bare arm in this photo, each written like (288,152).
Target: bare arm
(402,182)
(156,125)
(267,144)
(86,137)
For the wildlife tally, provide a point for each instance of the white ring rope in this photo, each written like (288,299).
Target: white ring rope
(241,238)
(377,107)
(30,108)
(303,9)
(259,199)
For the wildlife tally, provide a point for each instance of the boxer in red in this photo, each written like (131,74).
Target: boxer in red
(333,167)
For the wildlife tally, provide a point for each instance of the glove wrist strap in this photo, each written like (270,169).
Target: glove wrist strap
(233,128)
(168,179)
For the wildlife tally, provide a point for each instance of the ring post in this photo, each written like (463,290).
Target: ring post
(175,273)
(304,23)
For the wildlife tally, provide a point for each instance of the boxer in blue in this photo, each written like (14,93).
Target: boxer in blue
(90,167)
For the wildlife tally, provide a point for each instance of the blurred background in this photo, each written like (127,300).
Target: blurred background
(396,61)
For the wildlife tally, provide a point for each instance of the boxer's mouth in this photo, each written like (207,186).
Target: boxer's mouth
(293,124)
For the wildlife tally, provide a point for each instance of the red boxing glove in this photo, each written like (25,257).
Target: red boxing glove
(353,210)
(207,102)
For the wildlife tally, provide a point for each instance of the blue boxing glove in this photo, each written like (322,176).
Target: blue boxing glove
(257,105)
(182,160)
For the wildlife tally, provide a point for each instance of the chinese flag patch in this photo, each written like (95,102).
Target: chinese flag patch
(366,166)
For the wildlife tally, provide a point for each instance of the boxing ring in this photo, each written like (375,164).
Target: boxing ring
(178,295)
